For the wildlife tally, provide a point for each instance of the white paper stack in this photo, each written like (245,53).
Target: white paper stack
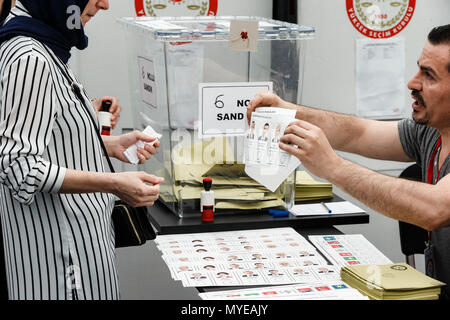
(347,250)
(250,257)
(312,209)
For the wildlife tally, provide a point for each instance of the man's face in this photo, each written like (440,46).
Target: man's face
(92,8)
(430,87)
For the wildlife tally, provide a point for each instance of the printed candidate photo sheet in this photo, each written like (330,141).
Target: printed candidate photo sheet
(349,249)
(250,257)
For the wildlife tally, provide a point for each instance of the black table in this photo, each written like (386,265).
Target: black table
(166,222)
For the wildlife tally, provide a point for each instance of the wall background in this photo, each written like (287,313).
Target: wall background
(103,67)
(329,71)
(329,82)
(329,74)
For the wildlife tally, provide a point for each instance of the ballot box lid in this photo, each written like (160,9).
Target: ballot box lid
(212,28)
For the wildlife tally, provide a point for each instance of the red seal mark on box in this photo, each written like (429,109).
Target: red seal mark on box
(158,8)
(378,20)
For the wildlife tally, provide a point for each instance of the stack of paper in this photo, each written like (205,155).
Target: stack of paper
(244,258)
(391,282)
(348,250)
(327,208)
(214,158)
(306,188)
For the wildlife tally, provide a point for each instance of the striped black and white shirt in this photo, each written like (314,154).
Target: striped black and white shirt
(57,246)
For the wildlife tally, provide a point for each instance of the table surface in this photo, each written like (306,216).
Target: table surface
(166,222)
(305,232)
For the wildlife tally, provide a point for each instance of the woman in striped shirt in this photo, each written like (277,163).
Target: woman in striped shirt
(56,198)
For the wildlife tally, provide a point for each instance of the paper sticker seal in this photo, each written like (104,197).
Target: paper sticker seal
(243,35)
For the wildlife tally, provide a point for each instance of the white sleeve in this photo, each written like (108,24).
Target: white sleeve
(26,120)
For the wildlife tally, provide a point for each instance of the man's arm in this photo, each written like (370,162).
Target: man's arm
(418,203)
(369,138)
(414,202)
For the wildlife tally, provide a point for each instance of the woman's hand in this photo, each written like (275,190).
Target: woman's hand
(135,188)
(116,145)
(115,108)
(138,189)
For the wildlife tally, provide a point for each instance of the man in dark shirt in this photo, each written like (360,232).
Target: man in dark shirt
(424,139)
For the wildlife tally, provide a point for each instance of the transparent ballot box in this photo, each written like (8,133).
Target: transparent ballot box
(191,79)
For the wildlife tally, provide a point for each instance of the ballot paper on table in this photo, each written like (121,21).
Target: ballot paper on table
(270,274)
(264,161)
(312,209)
(244,258)
(348,249)
(336,290)
(131,152)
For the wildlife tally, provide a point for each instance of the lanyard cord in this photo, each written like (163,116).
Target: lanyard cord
(76,89)
(431,165)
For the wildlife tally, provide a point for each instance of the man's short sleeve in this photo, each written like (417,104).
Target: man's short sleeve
(408,138)
(416,139)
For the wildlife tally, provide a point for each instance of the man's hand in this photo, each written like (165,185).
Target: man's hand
(134,188)
(266,99)
(117,145)
(114,110)
(310,145)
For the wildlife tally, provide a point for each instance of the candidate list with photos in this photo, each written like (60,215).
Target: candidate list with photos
(250,257)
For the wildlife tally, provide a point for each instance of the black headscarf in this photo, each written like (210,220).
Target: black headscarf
(6,7)
(55,23)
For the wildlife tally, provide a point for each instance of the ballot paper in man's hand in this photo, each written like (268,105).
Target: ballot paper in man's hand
(131,152)
(264,161)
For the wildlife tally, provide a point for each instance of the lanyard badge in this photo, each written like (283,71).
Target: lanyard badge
(430,267)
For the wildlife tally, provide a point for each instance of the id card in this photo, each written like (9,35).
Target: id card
(430,267)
